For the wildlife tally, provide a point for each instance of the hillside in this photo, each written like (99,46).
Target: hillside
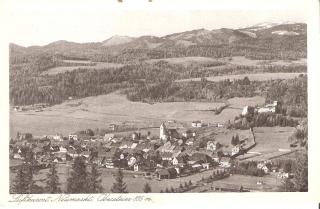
(145,67)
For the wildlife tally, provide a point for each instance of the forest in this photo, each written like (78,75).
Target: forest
(149,82)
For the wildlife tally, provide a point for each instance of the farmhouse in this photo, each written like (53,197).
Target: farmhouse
(168,173)
(188,133)
(235,150)
(113,127)
(247,110)
(196,124)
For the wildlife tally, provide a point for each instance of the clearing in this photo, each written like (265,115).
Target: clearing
(95,66)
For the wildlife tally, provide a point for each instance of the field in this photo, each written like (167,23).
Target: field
(236,60)
(270,183)
(99,111)
(185,61)
(251,76)
(97,66)
(271,142)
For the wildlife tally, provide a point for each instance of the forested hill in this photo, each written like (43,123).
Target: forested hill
(31,83)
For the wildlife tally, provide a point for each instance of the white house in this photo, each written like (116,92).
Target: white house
(73,136)
(245,110)
(235,150)
(206,166)
(263,167)
(196,124)
(108,137)
(211,145)
(132,160)
(225,162)
(58,137)
(136,167)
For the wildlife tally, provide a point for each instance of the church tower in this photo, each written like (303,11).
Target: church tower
(163,132)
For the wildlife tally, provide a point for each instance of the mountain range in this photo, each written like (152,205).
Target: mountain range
(252,36)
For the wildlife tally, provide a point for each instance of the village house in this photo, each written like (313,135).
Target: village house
(200,158)
(178,161)
(73,137)
(263,166)
(247,110)
(58,137)
(235,150)
(167,173)
(167,147)
(108,137)
(206,166)
(188,133)
(113,127)
(189,142)
(225,162)
(197,124)
(211,145)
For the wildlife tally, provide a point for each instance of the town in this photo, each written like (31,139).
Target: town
(171,151)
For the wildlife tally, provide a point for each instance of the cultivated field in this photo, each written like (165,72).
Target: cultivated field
(96,66)
(251,76)
(99,111)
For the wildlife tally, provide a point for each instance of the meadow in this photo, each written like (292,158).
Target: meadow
(271,142)
(100,111)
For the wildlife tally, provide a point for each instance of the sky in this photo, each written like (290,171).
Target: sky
(39,22)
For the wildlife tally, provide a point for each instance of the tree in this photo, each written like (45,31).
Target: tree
(77,182)
(21,184)
(190,183)
(172,189)
(186,185)
(119,186)
(24,182)
(301,174)
(146,188)
(235,140)
(52,183)
(287,186)
(94,180)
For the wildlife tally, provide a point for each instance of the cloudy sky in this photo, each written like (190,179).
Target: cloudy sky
(39,22)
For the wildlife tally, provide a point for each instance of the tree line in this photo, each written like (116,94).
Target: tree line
(80,180)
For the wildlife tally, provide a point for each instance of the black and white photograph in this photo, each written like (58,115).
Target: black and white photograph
(120,100)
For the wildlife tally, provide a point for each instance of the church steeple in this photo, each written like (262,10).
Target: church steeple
(163,132)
